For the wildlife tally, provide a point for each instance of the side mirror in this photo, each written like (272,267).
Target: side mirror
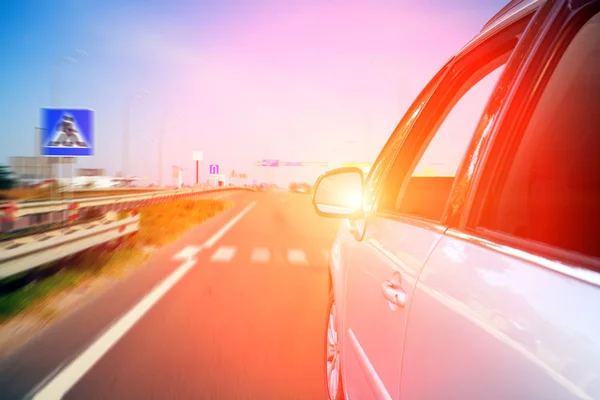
(339,193)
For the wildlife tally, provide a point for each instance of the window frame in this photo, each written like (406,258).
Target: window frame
(375,179)
(436,109)
(560,26)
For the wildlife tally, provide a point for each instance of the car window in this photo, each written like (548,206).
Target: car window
(550,192)
(422,176)
(378,171)
(431,181)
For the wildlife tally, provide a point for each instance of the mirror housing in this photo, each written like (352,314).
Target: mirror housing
(339,193)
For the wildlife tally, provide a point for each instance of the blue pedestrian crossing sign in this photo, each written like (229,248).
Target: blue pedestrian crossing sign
(67,132)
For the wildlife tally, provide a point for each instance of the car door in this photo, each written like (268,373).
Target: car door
(383,264)
(507,304)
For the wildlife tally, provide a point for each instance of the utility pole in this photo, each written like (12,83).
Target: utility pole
(127,116)
(125,140)
(160,154)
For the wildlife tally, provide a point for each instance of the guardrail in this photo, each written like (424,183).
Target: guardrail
(131,189)
(20,215)
(23,254)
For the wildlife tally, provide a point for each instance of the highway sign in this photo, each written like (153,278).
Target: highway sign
(67,132)
(197,156)
(213,169)
(278,163)
(268,163)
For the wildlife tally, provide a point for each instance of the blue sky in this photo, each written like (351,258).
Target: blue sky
(240,80)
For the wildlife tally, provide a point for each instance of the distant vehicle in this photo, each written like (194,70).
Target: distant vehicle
(483,281)
(300,187)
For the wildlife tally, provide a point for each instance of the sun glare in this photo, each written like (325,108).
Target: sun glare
(353,199)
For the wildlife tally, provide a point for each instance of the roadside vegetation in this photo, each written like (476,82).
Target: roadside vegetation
(160,224)
(7,178)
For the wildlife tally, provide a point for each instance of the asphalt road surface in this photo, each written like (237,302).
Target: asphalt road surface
(236,309)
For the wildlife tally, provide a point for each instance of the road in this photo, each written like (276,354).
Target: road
(235,309)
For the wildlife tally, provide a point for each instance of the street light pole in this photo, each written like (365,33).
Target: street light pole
(55,84)
(160,155)
(126,117)
(55,90)
(125,139)
(55,95)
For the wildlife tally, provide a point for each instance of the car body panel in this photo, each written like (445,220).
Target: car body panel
(489,324)
(373,327)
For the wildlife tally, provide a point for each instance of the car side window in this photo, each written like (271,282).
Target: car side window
(421,179)
(429,185)
(550,191)
(378,171)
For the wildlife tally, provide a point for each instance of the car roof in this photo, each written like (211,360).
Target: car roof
(514,10)
(511,8)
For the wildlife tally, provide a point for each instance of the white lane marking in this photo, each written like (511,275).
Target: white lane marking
(260,255)
(66,379)
(60,381)
(223,254)
(187,253)
(210,242)
(296,256)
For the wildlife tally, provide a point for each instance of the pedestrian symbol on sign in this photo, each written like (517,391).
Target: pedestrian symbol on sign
(66,133)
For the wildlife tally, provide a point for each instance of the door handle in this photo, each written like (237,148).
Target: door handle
(394,294)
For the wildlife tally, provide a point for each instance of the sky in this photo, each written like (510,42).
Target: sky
(241,81)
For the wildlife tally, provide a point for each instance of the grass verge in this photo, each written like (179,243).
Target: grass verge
(160,224)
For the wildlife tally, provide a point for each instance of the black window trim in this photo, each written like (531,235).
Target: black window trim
(564,22)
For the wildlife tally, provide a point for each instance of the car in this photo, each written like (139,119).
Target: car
(296,187)
(467,262)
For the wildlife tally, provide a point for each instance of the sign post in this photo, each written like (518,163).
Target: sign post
(197,156)
(177,176)
(213,171)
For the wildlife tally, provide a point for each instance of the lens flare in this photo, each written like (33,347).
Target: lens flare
(353,199)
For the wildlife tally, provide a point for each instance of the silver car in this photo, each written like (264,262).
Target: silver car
(467,262)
